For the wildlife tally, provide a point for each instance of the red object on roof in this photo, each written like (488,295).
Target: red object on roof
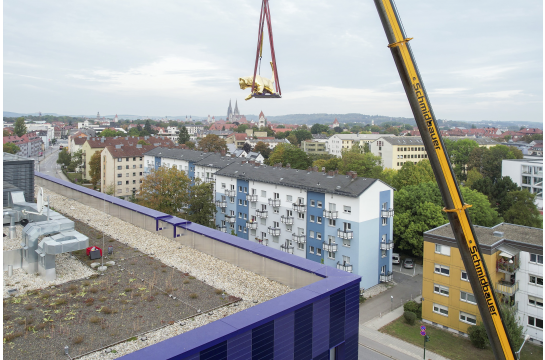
(88,250)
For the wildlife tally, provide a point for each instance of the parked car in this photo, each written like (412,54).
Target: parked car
(395,258)
(408,263)
(60,147)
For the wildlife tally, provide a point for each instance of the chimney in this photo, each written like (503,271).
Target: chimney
(354,174)
(243,162)
(288,165)
(223,153)
(315,169)
(330,173)
(309,169)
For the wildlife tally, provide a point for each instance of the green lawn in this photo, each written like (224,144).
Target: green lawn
(448,344)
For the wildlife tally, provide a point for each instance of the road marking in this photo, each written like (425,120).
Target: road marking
(375,350)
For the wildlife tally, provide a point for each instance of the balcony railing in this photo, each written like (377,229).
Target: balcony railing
(230,218)
(261,213)
(387,213)
(389,276)
(388,245)
(221,228)
(299,207)
(331,214)
(262,241)
(251,197)
(507,288)
(329,247)
(286,248)
(274,202)
(273,231)
(288,220)
(252,225)
(298,238)
(230,193)
(344,266)
(346,235)
(208,180)
(506,268)
(221,204)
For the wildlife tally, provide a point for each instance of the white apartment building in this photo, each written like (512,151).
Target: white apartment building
(395,151)
(528,174)
(338,143)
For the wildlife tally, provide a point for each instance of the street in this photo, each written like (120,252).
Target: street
(49,165)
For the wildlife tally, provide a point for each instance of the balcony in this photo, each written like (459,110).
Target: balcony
(506,268)
(288,220)
(264,242)
(230,218)
(261,213)
(274,202)
(230,193)
(208,180)
(286,248)
(331,214)
(329,247)
(251,197)
(389,276)
(252,225)
(507,288)
(299,207)
(387,213)
(298,238)
(273,231)
(346,235)
(221,204)
(221,228)
(344,266)
(388,245)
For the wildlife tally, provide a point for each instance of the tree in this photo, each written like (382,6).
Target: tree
(488,161)
(458,152)
(388,176)
(523,211)
(366,165)
(247,147)
(497,192)
(190,145)
(19,128)
(263,149)
(183,136)
(392,130)
(110,133)
(515,331)
(165,189)
(200,205)
(241,128)
(477,336)
(53,141)
(302,135)
(133,132)
(529,138)
(147,127)
(95,170)
(289,154)
(143,142)
(319,128)
(472,176)
(64,157)
(6,133)
(76,160)
(212,143)
(338,129)
(11,148)
(292,139)
(411,174)
(480,212)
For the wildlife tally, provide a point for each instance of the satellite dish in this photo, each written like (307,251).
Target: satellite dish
(40,200)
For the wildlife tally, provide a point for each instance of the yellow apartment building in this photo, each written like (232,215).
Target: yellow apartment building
(513,255)
(314,147)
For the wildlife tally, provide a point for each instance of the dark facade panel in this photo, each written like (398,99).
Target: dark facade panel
(263,341)
(303,333)
(336,318)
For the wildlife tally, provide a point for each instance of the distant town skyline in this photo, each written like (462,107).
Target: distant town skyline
(479,60)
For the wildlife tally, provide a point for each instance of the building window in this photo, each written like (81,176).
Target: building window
(240,189)
(245,203)
(384,221)
(312,203)
(134,166)
(232,199)
(318,251)
(319,236)
(346,259)
(536,280)
(119,175)
(239,228)
(119,167)
(319,220)
(384,206)
(119,160)
(535,322)
(140,173)
(535,301)
(311,234)
(300,246)
(312,217)
(443,270)
(140,166)
(536,259)
(263,193)
(223,185)
(347,209)
(467,297)
(134,181)
(319,204)
(288,198)
(442,249)
(245,189)
(311,249)
(240,201)
(332,222)
(245,216)
(441,290)
(468,318)
(331,255)
(240,215)
(440,309)
(301,216)
(464,276)
(120,183)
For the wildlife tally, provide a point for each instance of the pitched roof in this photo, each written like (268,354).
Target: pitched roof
(96,142)
(312,181)
(129,151)
(218,161)
(178,154)
(79,140)
(261,114)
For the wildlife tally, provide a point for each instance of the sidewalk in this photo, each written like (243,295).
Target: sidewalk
(389,346)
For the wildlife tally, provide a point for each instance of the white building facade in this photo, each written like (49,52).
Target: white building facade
(528,174)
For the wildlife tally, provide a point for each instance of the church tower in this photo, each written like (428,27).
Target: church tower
(262,122)
(229,112)
(115,118)
(236,114)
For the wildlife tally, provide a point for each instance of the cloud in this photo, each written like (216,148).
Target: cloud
(346,94)
(487,72)
(447,91)
(500,94)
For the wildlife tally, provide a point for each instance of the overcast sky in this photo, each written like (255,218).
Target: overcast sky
(478,59)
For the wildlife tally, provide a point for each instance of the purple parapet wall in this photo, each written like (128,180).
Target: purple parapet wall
(329,307)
